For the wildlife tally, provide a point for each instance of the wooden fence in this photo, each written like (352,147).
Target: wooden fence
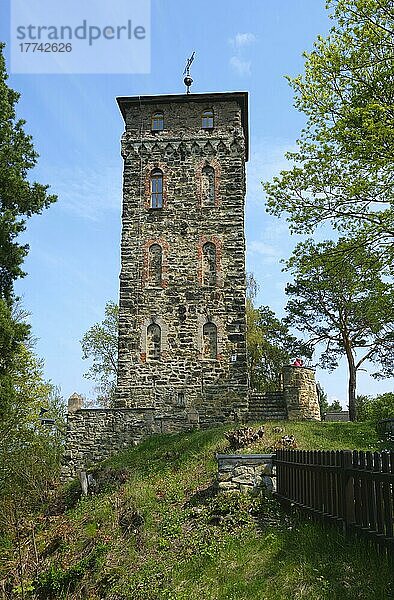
(354,489)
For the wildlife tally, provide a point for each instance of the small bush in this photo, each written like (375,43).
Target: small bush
(375,409)
(55,582)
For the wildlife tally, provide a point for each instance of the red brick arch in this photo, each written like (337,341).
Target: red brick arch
(214,239)
(215,164)
(164,266)
(147,180)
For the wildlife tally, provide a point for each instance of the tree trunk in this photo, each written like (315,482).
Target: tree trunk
(352,393)
(352,383)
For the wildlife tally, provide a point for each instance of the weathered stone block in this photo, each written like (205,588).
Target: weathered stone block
(227,485)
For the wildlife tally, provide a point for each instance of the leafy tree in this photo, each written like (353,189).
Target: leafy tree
(348,307)
(270,347)
(335,406)
(100,344)
(29,452)
(375,409)
(322,399)
(19,200)
(343,167)
(362,400)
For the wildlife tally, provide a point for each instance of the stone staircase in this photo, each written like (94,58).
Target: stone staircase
(268,406)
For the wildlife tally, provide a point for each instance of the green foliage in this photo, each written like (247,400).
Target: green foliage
(342,169)
(334,406)
(12,335)
(19,200)
(29,452)
(346,305)
(270,347)
(57,582)
(375,409)
(100,344)
(189,542)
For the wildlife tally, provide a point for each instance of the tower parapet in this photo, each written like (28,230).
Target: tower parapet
(300,394)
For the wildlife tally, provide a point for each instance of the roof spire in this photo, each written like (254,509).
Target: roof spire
(188,79)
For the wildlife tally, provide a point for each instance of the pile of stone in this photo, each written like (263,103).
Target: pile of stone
(286,442)
(245,436)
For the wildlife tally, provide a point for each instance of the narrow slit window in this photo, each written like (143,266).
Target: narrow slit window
(157,121)
(153,342)
(210,341)
(207,119)
(208,186)
(209,274)
(155,265)
(156,188)
(181,399)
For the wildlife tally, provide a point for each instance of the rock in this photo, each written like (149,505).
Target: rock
(227,485)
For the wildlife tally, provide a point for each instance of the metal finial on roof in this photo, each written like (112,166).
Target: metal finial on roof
(188,79)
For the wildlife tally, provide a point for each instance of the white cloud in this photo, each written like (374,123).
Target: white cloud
(88,192)
(262,248)
(243,39)
(238,62)
(242,67)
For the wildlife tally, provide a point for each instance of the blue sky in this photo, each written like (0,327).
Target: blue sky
(73,264)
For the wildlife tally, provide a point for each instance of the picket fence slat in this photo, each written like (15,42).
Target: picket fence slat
(353,488)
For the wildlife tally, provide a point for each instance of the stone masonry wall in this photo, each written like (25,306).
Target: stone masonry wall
(245,472)
(217,388)
(95,434)
(299,388)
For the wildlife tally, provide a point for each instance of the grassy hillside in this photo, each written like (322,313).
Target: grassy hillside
(156,529)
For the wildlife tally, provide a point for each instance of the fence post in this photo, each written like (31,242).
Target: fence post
(347,490)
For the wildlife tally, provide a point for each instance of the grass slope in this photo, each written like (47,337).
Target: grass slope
(157,530)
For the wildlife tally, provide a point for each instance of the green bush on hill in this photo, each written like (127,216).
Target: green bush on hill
(375,409)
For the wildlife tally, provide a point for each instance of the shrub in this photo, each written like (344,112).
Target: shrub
(375,409)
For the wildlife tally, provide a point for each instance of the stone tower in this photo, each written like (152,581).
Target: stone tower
(182,347)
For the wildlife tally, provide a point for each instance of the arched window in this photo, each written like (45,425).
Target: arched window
(156,185)
(181,399)
(210,341)
(157,121)
(155,264)
(209,264)
(207,119)
(153,342)
(208,186)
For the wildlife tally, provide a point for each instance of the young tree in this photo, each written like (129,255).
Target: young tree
(19,200)
(343,168)
(29,452)
(347,306)
(322,398)
(270,347)
(100,344)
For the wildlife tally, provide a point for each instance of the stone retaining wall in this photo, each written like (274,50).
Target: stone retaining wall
(246,472)
(95,434)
